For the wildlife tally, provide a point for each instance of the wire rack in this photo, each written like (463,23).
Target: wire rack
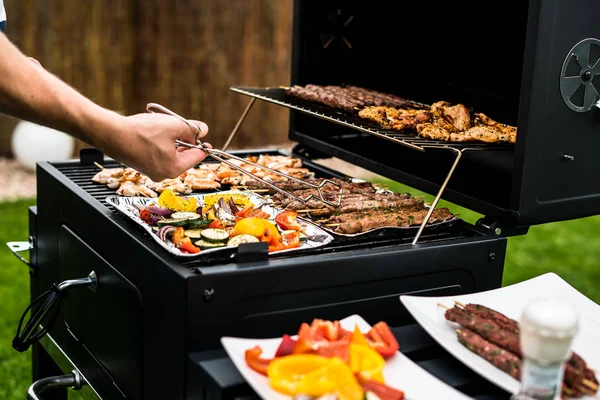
(408,139)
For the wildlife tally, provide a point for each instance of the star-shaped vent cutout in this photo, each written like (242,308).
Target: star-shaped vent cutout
(339,22)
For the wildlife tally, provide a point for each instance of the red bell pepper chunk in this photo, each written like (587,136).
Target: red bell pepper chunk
(287,220)
(255,361)
(383,340)
(244,213)
(286,347)
(381,390)
(217,224)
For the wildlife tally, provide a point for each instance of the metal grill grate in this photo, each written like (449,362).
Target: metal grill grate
(278,96)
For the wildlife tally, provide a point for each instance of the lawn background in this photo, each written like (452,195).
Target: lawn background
(571,249)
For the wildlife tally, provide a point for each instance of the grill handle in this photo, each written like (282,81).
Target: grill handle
(73,380)
(49,300)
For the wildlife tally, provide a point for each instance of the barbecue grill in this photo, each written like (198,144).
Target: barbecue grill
(125,319)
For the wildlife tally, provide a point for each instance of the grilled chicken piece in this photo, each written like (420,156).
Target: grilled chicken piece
(128,188)
(476,134)
(507,133)
(393,118)
(433,131)
(104,175)
(454,118)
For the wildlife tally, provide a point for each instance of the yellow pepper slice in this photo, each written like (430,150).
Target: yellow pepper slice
(358,337)
(170,200)
(313,375)
(366,361)
(255,227)
(286,373)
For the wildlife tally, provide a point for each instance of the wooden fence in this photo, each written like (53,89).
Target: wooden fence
(183,54)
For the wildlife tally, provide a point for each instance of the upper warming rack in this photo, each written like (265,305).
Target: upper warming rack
(409,139)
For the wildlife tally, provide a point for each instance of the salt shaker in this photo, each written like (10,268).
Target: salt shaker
(547,329)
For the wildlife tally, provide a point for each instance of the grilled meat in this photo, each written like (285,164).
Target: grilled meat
(357,222)
(325,97)
(497,356)
(353,187)
(353,204)
(388,99)
(393,118)
(511,326)
(433,132)
(506,133)
(476,134)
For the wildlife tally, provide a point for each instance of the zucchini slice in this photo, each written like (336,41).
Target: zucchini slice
(215,235)
(185,215)
(193,233)
(172,222)
(204,245)
(198,223)
(243,238)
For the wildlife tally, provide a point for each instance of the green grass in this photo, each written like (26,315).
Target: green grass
(571,249)
(15,368)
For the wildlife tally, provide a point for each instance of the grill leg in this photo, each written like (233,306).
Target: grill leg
(44,366)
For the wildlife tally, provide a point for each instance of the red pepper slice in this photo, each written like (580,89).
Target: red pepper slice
(287,220)
(286,347)
(217,224)
(254,360)
(383,340)
(244,213)
(183,242)
(381,390)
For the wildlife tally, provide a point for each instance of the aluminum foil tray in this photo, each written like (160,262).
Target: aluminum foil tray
(317,236)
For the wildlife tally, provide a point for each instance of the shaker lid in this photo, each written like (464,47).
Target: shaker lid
(550,317)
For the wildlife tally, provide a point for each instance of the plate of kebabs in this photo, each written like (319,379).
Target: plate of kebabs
(482,331)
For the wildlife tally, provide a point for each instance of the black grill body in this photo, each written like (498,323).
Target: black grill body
(138,334)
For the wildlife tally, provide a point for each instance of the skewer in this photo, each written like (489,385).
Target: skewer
(98,165)
(443,306)
(320,221)
(331,224)
(568,391)
(309,210)
(590,384)
(459,303)
(585,390)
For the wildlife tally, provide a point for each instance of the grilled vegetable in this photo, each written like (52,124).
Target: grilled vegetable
(183,242)
(214,235)
(193,233)
(170,200)
(198,223)
(205,245)
(185,215)
(243,238)
(172,222)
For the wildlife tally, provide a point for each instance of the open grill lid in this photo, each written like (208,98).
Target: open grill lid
(541,78)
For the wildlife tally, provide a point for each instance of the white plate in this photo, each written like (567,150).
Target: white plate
(399,372)
(510,301)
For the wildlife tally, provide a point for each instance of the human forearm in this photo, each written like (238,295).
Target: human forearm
(29,92)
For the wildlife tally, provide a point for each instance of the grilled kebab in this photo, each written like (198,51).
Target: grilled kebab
(484,333)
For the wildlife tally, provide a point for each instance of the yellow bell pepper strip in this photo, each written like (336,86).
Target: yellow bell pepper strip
(255,361)
(170,200)
(358,337)
(183,242)
(366,362)
(287,373)
(335,377)
(255,227)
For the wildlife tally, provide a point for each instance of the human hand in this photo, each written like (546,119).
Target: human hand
(148,145)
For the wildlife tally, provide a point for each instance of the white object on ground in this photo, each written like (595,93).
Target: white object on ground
(32,143)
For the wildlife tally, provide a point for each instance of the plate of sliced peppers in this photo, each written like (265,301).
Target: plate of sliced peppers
(345,360)
(190,225)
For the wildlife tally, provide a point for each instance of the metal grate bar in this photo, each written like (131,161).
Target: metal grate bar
(278,96)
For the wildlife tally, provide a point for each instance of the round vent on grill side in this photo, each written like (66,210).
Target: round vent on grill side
(579,77)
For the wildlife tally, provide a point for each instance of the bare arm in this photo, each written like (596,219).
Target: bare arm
(142,141)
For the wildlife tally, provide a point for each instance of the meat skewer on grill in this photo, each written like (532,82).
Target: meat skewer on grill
(508,340)
(354,187)
(358,222)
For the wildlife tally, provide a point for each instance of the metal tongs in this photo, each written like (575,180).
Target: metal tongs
(218,154)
